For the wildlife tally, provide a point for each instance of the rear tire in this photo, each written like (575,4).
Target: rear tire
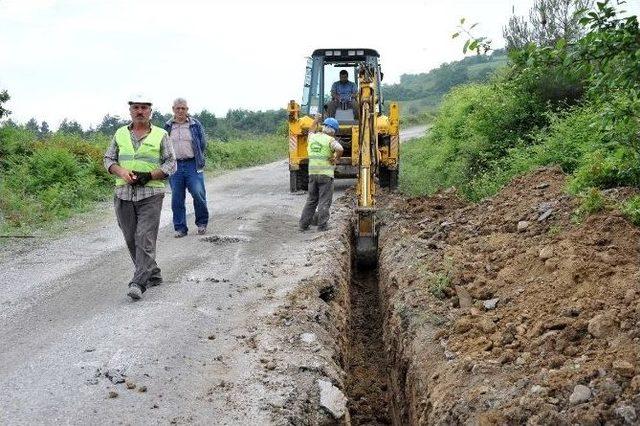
(303,177)
(388,178)
(393,179)
(299,179)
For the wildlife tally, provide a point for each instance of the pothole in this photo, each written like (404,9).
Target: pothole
(222,239)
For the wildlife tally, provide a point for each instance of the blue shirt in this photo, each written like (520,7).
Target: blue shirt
(344,90)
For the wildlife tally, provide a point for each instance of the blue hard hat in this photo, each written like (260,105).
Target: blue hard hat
(333,123)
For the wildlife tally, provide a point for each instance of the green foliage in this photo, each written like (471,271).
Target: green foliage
(592,201)
(477,125)
(51,179)
(438,283)
(433,85)
(70,127)
(563,104)
(246,152)
(4,97)
(631,209)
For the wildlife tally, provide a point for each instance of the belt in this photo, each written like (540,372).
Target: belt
(185,159)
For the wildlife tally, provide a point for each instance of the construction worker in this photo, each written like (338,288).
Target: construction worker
(344,92)
(189,143)
(323,151)
(141,156)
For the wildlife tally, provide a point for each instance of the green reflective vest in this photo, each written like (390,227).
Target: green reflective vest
(145,159)
(319,151)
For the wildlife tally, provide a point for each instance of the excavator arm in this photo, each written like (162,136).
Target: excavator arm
(366,233)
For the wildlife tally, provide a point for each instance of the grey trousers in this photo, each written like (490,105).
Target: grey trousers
(139,222)
(320,196)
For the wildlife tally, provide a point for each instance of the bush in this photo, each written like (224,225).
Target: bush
(245,153)
(631,209)
(476,127)
(592,202)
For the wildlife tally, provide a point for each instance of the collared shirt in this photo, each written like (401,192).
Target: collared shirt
(136,193)
(344,91)
(181,138)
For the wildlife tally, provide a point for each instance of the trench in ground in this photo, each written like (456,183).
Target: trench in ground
(371,398)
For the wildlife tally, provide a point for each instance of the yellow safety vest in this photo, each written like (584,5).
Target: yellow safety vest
(145,159)
(319,152)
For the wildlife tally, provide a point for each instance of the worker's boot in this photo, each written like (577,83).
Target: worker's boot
(135,291)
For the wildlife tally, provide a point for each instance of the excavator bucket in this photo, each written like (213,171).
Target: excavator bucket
(366,239)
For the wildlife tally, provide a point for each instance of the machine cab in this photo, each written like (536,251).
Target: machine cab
(323,70)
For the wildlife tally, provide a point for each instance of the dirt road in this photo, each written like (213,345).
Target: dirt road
(192,350)
(67,324)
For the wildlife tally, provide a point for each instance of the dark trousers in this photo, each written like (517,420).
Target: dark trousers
(185,178)
(333,106)
(320,196)
(139,222)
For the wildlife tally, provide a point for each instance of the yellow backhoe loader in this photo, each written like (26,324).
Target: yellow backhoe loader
(370,139)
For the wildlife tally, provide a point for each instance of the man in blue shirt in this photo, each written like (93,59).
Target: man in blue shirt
(343,92)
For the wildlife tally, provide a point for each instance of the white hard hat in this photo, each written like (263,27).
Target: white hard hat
(140,99)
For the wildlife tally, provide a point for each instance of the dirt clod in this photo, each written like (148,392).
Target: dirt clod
(580,394)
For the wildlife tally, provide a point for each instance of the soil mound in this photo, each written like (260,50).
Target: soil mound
(509,311)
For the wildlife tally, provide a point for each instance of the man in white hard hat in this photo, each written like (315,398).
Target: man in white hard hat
(141,157)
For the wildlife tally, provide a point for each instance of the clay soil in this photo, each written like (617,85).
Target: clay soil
(566,314)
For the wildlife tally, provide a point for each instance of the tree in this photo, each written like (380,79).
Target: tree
(549,21)
(44,130)
(32,126)
(208,120)
(4,97)
(109,124)
(159,119)
(71,127)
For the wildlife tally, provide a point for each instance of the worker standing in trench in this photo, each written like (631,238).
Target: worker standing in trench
(141,156)
(323,151)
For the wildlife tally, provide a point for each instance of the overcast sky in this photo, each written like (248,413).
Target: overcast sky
(81,59)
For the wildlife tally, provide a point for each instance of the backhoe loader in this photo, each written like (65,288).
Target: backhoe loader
(370,139)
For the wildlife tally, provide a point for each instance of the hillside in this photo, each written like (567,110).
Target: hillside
(418,93)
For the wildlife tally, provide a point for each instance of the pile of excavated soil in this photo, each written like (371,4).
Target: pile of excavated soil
(509,311)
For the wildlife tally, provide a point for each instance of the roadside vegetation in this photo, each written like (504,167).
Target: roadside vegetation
(570,100)
(47,176)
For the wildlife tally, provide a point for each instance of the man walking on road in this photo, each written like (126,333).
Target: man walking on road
(141,157)
(189,143)
(323,151)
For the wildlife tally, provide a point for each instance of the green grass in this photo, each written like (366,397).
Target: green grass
(43,182)
(246,152)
